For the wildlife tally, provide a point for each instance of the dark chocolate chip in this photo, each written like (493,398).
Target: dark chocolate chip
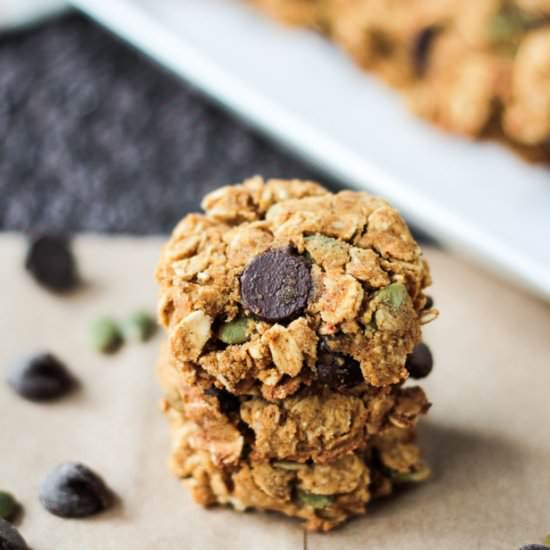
(51,262)
(324,345)
(40,377)
(420,49)
(276,285)
(338,371)
(420,362)
(535,547)
(72,490)
(10,539)
(228,402)
(429,303)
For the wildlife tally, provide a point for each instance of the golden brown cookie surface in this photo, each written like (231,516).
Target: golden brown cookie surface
(474,67)
(292,314)
(275,270)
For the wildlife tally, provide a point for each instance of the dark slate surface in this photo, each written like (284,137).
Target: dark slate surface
(94,137)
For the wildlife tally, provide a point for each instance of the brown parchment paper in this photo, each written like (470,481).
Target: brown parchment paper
(487,436)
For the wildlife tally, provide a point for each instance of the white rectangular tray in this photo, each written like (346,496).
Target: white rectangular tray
(476,198)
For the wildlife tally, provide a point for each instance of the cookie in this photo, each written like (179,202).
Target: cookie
(479,68)
(292,317)
(315,424)
(276,268)
(322,494)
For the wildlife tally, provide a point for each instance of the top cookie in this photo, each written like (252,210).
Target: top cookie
(282,283)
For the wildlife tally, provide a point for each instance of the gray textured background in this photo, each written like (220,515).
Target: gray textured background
(95,137)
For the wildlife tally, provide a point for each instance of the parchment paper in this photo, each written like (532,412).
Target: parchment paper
(487,435)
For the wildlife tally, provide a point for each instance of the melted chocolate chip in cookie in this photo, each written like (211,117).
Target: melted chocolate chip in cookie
(338,371)
(420,49)
(429,303)
(276,285)
(420,362)
(228,402)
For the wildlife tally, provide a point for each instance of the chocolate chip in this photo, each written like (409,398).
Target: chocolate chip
(535,547)
(429,303)
(72,490)
(50,261)
(325,344)
(338,371)
(40,377)
(228,402)
(420,362)
(276,285)
(10,539)
(420,49)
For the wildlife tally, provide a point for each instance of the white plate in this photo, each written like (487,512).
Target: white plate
(476,198)
(23,13)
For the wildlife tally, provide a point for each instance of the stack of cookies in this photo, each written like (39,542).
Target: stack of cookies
(292,315)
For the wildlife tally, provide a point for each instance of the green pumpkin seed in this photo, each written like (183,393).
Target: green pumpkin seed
(236,331)
(506,28)
(315,501)
(140,326)
(106,335)
(546,540)
(370,328)
(8,506)
(394,295)
(319,246)
(416,476)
